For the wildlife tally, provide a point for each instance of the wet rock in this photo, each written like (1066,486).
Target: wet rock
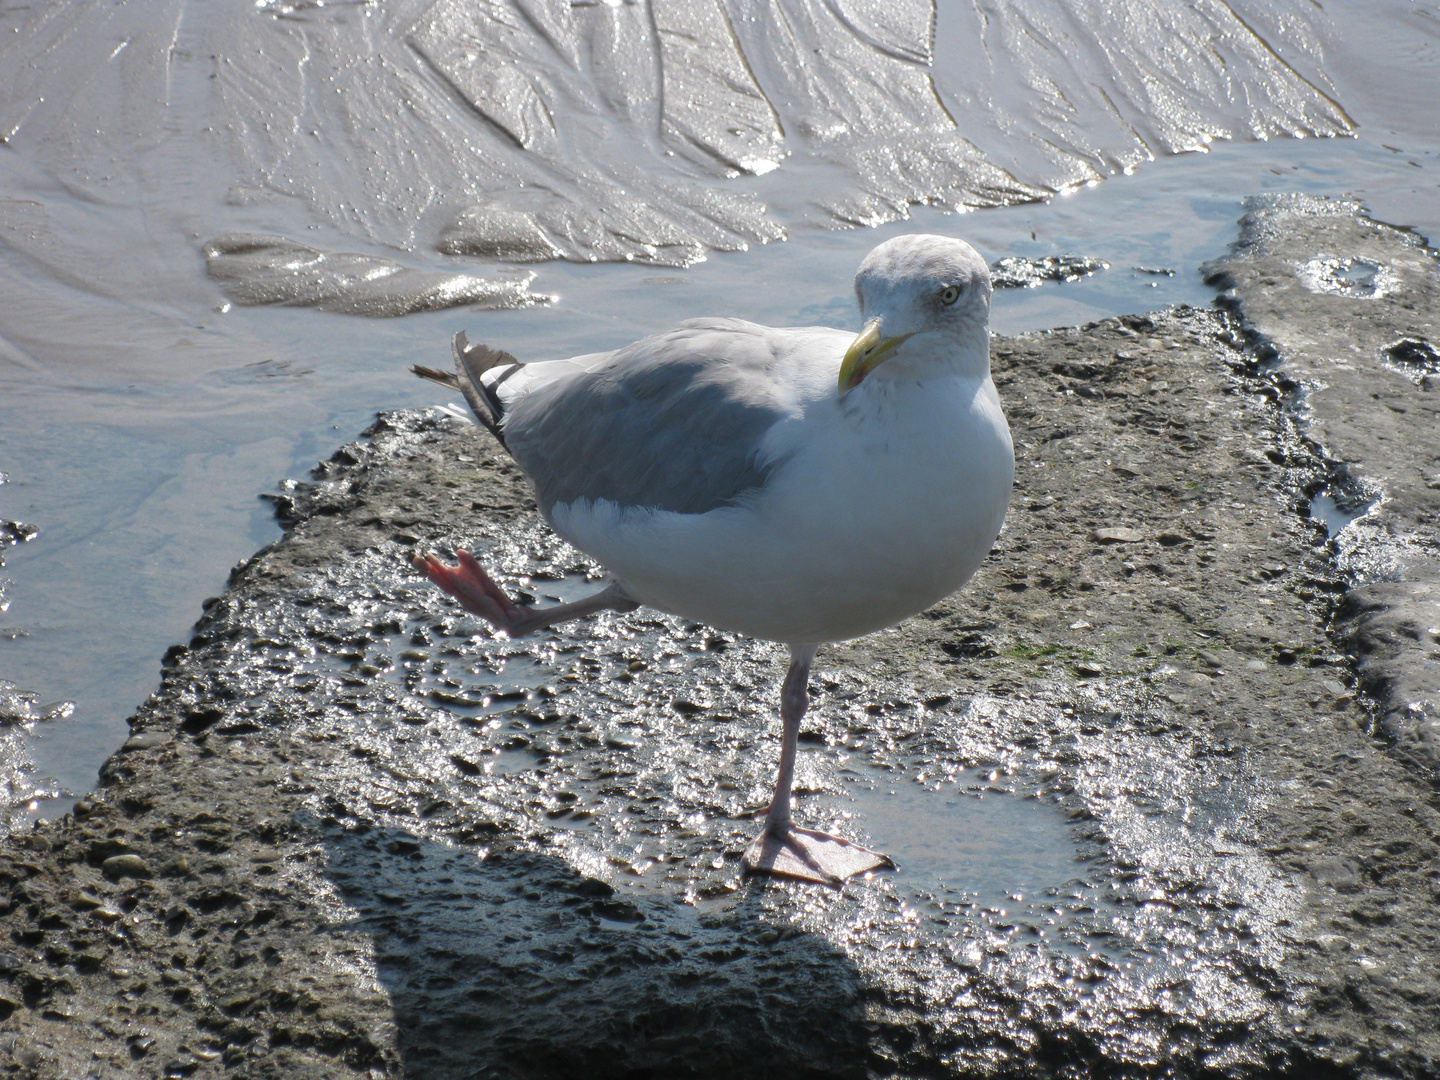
(348,894)
(17,532)
(1413,357)
(20,707)
(1018,272)
(1351,307)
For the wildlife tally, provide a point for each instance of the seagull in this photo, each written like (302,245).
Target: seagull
(803,485)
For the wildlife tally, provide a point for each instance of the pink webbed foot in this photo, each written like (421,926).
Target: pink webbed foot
(477,593)
(785,849)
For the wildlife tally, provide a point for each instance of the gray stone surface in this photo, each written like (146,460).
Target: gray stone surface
(1346,311)
(1144,824)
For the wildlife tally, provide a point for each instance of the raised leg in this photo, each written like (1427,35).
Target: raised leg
(783,847)
(478,594)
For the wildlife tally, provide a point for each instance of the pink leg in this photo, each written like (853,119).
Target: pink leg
(783,847)
(478,594)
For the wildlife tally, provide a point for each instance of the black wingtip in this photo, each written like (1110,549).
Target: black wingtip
(471,362)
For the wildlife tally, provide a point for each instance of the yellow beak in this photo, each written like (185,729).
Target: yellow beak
(866,353)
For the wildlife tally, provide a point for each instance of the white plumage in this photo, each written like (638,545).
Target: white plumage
(802,485)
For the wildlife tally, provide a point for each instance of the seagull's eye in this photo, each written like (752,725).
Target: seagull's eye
(950,294)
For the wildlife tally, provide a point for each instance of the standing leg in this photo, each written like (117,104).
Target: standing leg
(783,847)
(794,701)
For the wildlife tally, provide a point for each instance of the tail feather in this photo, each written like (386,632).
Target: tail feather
(435,375)
(471,362)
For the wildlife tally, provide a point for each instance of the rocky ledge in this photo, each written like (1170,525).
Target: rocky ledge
(1158,781)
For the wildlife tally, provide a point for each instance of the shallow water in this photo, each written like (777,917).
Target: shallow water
(971,840)
(1335,514)
(988,852)
(142,413)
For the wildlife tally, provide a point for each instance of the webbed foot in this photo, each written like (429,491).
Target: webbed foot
(785,849)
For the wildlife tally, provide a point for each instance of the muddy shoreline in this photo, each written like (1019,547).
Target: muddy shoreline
(353,834)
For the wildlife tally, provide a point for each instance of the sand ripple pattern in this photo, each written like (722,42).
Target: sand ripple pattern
(631,130)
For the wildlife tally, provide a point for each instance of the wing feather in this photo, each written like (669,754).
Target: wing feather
(673,422)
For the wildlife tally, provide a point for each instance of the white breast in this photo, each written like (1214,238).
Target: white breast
(885,503)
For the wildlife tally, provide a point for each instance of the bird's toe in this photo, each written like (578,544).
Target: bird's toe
(786,850)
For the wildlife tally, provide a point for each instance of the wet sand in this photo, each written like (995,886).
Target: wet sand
(353,834)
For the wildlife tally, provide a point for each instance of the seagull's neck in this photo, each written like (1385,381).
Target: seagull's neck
(963,352)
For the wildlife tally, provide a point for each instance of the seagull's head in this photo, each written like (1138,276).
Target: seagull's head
(925,304)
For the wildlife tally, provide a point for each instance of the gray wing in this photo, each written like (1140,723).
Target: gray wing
(673,422)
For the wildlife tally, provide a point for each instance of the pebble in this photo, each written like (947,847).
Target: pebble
(119,866)
(1117,536)
(17,532)
(145,740)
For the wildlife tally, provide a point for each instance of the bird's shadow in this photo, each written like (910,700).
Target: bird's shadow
(515,964)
